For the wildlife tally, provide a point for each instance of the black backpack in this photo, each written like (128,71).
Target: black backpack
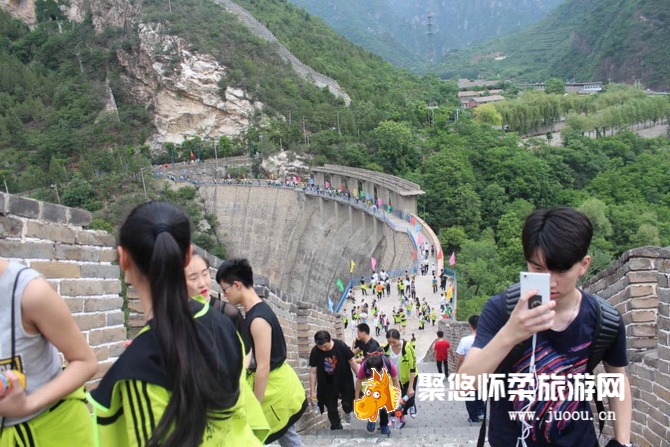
(608,321)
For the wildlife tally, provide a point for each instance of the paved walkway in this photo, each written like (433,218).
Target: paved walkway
(437,423)
(424,289)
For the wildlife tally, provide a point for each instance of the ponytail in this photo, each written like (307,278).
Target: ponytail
(157,235)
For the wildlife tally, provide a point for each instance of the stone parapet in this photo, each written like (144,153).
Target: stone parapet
(80,265)
(638,285)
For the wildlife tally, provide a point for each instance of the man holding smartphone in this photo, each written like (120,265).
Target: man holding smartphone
(555,241)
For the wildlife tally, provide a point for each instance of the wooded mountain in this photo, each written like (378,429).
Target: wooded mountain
(617,40)
(397,30)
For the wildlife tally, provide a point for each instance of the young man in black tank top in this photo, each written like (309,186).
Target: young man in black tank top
(275,384)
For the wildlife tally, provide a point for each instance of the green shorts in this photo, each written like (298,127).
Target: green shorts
(66,423)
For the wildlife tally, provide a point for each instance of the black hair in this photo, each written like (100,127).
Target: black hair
(235,270)
(157,235)
(375,361)
(321,337)
(363,327)
(440,334)
(393,333)
(473,320)
(197,253)
(563,235)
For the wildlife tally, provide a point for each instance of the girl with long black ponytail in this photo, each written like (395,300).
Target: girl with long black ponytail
(177,384)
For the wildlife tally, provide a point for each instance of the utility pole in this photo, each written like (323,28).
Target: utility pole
(430,33)
(216,160)
(55,186)
(170,6)
(144,185)
(339,131)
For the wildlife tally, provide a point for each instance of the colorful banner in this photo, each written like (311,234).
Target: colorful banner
(450,291)
(373,262)
(420,238)
(413,255)
(452,259)
(440,255)
(340,285)
(331,305)
(417,228)
(353,264)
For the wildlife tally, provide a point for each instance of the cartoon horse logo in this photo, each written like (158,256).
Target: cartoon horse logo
(379,393)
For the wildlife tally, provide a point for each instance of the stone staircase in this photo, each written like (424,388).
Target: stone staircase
(437,423)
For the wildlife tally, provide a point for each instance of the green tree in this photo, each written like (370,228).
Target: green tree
(394,147)
(554,86)
(488,114)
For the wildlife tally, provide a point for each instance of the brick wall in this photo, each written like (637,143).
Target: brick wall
(77,262)
(299,322)
(638,284)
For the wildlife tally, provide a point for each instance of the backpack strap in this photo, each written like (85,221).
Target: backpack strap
(511,297)
(608,321)
(607,328)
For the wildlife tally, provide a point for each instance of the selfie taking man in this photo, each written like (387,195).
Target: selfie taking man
(555,241)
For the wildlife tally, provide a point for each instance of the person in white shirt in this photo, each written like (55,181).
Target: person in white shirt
(475,408)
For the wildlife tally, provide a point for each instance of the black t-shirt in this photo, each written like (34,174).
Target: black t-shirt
(278,349)
(560,353)
(333,372)
(371,346)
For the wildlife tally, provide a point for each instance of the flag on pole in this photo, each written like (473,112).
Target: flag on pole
(373,262)
(353,264)
(330,305)
(412,221)
(452,259)
(440,255)
(340,285)
(420,238)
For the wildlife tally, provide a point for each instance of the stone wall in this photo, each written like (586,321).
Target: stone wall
(77,262)
(638,284)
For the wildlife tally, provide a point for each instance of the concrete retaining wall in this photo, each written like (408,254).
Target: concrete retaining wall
(78,263)
(303,244)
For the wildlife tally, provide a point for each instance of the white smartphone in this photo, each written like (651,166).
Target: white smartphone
(536,281)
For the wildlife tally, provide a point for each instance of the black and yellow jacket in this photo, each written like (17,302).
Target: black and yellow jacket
(132,397)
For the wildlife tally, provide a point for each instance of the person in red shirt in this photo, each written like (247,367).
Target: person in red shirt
(441,347)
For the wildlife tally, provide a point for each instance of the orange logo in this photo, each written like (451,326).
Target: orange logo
(379,393)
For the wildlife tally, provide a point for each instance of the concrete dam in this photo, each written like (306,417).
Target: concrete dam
(303,242)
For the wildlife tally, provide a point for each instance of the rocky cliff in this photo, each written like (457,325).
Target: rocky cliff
(179,85)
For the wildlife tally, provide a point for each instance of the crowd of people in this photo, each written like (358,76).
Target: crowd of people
(211,369)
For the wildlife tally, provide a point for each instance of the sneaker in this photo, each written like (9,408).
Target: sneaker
(401,422)
(346,418)
(371,426)
(412,411)
(339,427)
(386,430)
